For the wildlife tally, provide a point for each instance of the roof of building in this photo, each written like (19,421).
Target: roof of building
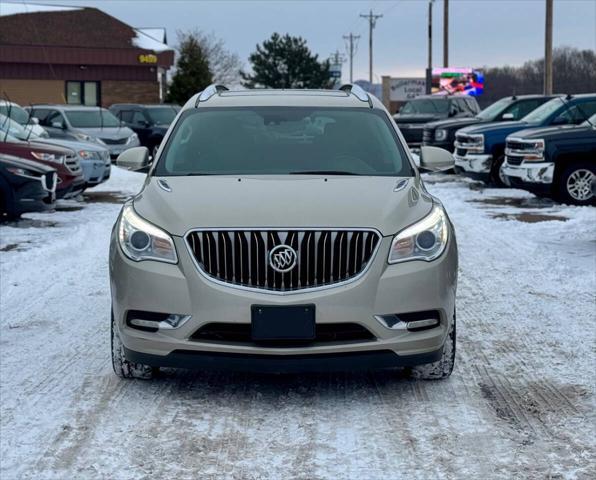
(51,25)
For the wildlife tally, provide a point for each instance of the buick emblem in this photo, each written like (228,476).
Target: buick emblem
(282,258)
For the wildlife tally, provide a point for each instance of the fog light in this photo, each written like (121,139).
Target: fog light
(413,322)
(152,321)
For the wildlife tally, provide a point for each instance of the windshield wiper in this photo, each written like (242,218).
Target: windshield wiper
(322,172)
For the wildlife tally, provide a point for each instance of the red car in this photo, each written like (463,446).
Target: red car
(70,173)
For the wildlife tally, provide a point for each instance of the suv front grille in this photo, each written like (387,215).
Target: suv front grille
(114,141)
(242,333)
(323,257)
(427,136)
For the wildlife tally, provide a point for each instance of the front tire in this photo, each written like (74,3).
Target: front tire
(496,179)
(576,184)
(443,367)
(122,367)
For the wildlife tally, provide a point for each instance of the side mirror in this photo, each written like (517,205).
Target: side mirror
(58,125)
(434,159)
(134,158)
(508,116)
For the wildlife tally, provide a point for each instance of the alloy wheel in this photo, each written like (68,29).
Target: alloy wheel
(579,184)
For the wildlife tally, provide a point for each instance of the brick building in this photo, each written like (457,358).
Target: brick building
(79,55)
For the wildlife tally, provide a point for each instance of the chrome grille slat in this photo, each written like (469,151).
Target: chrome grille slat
(324,256)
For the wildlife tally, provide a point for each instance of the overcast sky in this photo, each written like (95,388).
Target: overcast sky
(482,32)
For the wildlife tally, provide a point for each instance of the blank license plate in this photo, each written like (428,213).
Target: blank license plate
(295,322)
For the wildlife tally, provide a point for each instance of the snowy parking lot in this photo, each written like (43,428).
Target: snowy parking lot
(520,402)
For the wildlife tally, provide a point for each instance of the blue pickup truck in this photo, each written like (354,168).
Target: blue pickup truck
(480,149)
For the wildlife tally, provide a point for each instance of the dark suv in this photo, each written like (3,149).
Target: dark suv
(414,115)
(442,133)
(149,122)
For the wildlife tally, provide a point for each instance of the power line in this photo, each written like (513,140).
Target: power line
(352,47)
(372,21)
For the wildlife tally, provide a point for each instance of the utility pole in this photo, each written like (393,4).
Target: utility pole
(429,68)
(352,45)
(445,33)
(548,49)
(372,21)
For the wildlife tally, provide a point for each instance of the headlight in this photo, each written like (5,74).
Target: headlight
(440,134)
(84,137)
(141,240)
(22,172)
(48,157)
(89,155)
(425,240)
(133,138)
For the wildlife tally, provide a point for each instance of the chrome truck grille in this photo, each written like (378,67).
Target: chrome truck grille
(314,259)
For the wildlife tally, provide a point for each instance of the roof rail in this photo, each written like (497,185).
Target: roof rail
(209,91)
(358,92)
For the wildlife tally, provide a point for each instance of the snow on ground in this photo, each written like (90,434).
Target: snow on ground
(520,403)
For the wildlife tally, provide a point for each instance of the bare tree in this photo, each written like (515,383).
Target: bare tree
(224,65)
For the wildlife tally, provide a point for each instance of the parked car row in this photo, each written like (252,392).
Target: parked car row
(77,143)
(543,143)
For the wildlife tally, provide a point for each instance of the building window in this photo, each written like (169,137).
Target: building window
(82,93)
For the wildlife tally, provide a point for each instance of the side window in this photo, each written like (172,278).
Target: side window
(42,115)
(473,105)
(526,107)
(124,115)
(55,119)
(577,113)
(138,119)
(454,108)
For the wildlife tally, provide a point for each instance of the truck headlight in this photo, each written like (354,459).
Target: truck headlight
(440,134)
(425,240)
(141,240)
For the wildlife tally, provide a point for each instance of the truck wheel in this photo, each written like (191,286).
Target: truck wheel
(443,367)
(495,172)
(576,185)
(122,367)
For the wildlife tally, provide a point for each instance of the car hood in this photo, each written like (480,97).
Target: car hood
(112,133)
(39,144)
(93,147)
(414,118)
(282,201)
(17,162)
(495,127)
(552,132)
(454,123)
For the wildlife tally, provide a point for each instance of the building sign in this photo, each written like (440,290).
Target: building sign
(147,58)
(402,89)
(448,81)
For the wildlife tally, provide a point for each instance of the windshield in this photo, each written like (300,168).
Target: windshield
(91,118)
(14,129)
(544,111)
(425,106)
(493,111)
(283,140)
(15,112)
(162,115)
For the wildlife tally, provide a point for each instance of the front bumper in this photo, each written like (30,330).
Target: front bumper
(402,288)
(94,171)
(474,162)
(540,173)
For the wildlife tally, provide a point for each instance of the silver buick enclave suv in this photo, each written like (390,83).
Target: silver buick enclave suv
(283,230)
